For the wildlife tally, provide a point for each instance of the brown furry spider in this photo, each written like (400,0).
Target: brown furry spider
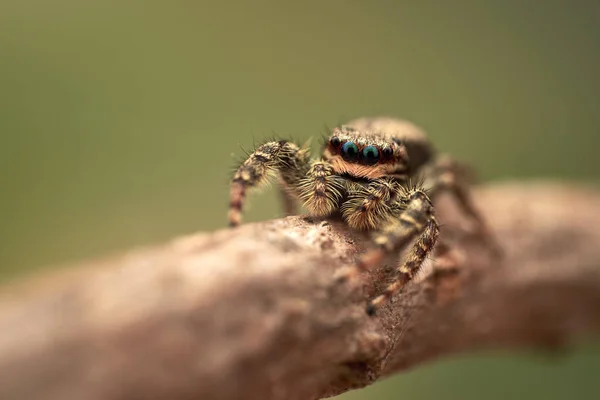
(364,176)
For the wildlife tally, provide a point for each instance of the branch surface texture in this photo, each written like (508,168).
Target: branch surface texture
(256,313)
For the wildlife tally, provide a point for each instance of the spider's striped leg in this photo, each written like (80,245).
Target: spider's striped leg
(406,272)
(446,257)
(395,236)
(449,175)
(288,200)
(416,220)
(284,158)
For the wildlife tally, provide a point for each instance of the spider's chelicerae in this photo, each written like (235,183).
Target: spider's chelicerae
(364,176)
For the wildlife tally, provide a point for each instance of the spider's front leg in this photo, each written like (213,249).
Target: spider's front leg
(415,221)
(406,272)
(283,158)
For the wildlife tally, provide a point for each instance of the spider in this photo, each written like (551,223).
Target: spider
(364,176)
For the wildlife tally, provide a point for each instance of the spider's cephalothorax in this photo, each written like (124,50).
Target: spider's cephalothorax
(364,176)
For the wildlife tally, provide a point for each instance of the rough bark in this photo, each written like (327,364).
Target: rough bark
(255,312)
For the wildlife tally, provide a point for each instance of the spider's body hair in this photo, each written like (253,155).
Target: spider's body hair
(406,272)
(373,206)
(418,146)
(365,175)
(396,164)
(321,190)
(271,158)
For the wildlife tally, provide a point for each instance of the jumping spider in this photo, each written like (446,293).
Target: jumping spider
(364,176)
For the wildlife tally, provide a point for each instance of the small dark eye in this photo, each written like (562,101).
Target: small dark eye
(335,141)
(349,151)
(370,154)
(387,152)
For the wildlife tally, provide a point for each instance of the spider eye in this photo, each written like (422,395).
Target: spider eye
(370,154)
(335,141)
(349,151)
(387,152)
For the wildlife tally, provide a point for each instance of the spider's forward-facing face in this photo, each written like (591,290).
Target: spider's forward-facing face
(364,154)
(364,177)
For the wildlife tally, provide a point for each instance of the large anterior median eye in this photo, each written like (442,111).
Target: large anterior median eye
(370,154)
(349,151)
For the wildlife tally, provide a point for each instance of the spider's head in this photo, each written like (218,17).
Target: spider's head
(365,154)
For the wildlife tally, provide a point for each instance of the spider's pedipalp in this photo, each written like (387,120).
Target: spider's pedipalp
(320,190)
(368,208)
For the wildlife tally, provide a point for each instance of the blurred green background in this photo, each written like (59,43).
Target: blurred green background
(119,121)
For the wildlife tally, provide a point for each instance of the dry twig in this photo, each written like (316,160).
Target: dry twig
(254,313)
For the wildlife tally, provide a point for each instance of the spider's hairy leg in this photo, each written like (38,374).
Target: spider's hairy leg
(449,175)
(406,272)
(367,208)
(415,220)
(394,237)
(320,189)
(282,157)
(287,199)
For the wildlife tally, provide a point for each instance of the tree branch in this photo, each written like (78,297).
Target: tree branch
(255,312)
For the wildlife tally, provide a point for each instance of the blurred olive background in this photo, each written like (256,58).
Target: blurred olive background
(119,121)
